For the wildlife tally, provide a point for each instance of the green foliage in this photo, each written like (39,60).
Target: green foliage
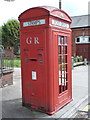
(18,56)
(17,63)
(12,63)
(78,59)
(10,34)
(8,62)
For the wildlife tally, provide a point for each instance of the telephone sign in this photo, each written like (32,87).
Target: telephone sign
(34,22)
(45,58)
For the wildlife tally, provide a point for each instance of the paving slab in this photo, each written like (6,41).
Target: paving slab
(12,97)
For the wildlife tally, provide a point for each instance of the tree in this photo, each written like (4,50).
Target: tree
(10,34)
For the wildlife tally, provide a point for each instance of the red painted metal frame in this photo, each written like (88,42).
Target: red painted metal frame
(42,93)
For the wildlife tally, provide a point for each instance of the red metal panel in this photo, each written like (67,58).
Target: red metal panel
(33,60)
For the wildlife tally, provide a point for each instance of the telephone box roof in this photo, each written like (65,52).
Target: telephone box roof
(44,10)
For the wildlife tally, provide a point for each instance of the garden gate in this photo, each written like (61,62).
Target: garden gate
(6,66)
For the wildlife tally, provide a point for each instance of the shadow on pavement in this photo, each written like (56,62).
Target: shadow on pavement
(14,109)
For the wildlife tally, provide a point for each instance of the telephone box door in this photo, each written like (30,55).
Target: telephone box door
(62,72)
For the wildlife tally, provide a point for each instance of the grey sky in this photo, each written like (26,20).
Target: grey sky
(9,10)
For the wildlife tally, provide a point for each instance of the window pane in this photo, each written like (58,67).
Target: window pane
(62,63)
(89,39)
(78,40)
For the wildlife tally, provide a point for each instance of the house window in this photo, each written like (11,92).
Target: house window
(89,39)
(77,40)
(82,39)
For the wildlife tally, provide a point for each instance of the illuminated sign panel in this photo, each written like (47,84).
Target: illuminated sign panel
(59,23)
(34,22)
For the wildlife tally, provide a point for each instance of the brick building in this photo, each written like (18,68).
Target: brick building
(81,36)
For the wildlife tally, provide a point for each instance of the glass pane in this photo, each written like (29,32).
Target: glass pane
(65,49)
(62,63)
(59,49)
(62,49)
(59,42)
(65,40)
(59,81)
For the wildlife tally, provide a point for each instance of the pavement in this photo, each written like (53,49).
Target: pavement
(12,97)
(84,113)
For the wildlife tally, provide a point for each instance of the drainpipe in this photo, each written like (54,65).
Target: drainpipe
(60,4)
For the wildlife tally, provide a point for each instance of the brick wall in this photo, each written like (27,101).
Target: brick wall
(76,32)
(6,79)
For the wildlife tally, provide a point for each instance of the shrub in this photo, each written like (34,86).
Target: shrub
(78,59)
(17,63)
(75,59)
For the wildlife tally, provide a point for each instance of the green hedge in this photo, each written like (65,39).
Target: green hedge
(17,63)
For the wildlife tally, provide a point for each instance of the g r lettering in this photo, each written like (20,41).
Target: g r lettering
(30,40)
(36,40)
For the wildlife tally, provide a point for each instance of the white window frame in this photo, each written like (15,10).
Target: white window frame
(83,40)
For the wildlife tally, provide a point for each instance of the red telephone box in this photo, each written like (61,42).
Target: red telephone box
(45,38)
